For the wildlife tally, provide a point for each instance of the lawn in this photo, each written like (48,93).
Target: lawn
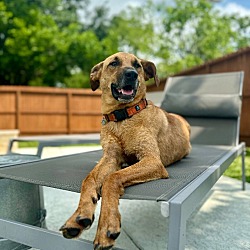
(234,170)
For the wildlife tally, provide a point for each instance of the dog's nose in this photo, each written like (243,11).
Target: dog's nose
(131,74)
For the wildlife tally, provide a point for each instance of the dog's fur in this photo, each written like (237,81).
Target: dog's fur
(148,141)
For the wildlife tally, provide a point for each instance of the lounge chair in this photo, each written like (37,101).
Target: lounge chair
(212,105)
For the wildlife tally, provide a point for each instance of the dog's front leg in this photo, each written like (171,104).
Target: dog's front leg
(83,217)
(149,168)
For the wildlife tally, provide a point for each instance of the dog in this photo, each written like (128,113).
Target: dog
(134,132)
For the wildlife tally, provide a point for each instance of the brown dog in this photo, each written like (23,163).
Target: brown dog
(134,131)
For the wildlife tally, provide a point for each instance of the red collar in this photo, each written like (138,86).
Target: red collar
(122,114)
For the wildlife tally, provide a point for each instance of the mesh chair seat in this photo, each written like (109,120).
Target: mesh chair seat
(67,173)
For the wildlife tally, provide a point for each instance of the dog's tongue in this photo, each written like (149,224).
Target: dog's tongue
(127,92)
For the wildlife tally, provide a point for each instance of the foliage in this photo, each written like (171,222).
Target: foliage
(50,43)
(133,30)
(41,48)
(195,32)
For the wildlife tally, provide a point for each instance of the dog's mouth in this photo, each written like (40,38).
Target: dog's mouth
(125,93)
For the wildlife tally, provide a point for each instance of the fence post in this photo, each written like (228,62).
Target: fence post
(18,112)
(69,112)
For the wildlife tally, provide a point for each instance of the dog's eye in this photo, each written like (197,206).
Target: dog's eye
(114,63)
(136,65)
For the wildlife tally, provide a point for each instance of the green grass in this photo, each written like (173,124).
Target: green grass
(234,171)
(30,144)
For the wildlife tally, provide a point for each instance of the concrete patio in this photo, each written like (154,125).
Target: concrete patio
(223,221)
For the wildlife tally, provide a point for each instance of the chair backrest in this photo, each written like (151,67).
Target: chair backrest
(211,103)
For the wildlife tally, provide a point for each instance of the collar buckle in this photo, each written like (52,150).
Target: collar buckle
(120,114)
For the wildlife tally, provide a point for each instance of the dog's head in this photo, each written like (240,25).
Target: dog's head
(122,77)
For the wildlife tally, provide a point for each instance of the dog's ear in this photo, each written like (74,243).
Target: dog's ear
(150,71)
(95,75)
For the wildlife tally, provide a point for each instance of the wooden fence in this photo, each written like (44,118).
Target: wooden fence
(44,110)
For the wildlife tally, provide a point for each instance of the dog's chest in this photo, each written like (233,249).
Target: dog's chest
(137,133)
(129,134)
(124,131)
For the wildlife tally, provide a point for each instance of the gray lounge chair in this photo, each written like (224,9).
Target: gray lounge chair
(212,105)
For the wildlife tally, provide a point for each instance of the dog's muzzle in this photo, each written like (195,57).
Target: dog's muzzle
(126,87)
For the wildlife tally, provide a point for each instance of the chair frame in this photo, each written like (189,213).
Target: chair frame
(178,209)
(184,203)
(54,141)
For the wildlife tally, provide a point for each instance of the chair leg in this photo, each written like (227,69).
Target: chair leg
(177,228)
(10,146)
(243,168)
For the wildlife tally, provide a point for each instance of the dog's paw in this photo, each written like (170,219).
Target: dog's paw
(113,235)
(106,242)
(104,245)
(70,232)
(85,223)
(99,247)
(74,229)
(108,230)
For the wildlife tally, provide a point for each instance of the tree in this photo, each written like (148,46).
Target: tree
(180,34)
(133,29)
(99,22)
(39,47)
(195,32)
(46,42)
